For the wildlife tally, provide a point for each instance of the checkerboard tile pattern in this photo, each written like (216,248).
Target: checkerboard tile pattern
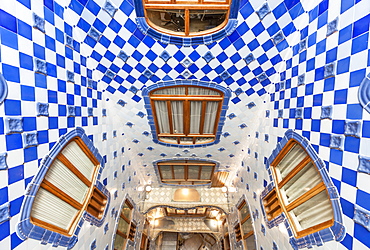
(301,62)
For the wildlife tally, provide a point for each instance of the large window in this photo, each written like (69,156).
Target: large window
(244,229)
(67,190)
(186,172)
(300,192)
(187,18)
(126,228)
(186,115)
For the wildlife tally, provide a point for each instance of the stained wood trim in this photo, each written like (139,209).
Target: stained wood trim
(315,228)
(247,235)
(88,153)
(295,171)
(203,112)
(186,117)
(49,226)
(306,196)
(166,163)
(186,98)
(48,186)
(74,170)
(288,146)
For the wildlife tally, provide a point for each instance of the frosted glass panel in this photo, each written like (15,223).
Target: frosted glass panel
(193,172)
(316,210)
(195,114)
(119,242)
(123,226)
(302,182)
(244,211)
(50,209)
(179,172)
(247,226)
(177,117)
(202,91)
(290,161)
(79,159)
(166,172)
(210,117)
(170,91)
(206,172)
(162,116)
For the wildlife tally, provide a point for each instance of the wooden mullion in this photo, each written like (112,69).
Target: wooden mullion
(169,113)
(125,218)
(160,172)
(202,116)
(48,226)
(200,172)
(306,196)
(186,173)
(288,146)
(315,228)
(123,235)
(186,117)
(187,22)
(48,186)
(185,164)
(295,171)
(184,98)
(189,180)
(245,218)
(173,173)
(247,235)
(74,170)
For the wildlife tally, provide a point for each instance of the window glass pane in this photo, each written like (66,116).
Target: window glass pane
(162,116)
(193,172)
(195,114)
(79,159)
(290,161)
(250,242)
(206,172)
(63,178)
(191,211)
(316,210)
(166,172)
(169,139)
(302,182)
(123,226)
(202,91)
(204,139)
(119,242)
(201,20)
(247,226)
(186,140)
(126,211)
(179,172)
(46,206)
(210,117)
(170,91)
(171,20)
(244,211)
(177,116)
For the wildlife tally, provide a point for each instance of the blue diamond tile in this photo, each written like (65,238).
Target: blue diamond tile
(121,102)
(147,73)
(70,76)
(13,125)
(140,114)
(38,23)
(231,116)
(329,70)
(249,58)
(110,8)
(122,55)
(251,105)
(186,62)
(332,27)
(263,11)
(301,79)
(352,128)
(165,56)
(224,75)
(279,37)
(208,56)
(40,66)
(3,163)
(94,34)
(30,139)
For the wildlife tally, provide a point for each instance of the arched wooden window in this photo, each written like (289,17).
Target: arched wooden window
(186,115)
(187,18)
(68,190)
(300,192)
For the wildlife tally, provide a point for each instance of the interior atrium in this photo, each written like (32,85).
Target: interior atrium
(184,125)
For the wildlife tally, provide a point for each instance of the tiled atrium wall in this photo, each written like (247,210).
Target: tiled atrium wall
(75,65)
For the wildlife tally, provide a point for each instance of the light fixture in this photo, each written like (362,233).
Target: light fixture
(224,189)
(140,189)
(148,188)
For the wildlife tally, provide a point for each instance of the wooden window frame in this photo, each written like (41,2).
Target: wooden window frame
(95,201)
(185,165)
(186,6)
(274,203)
(131,230)
(186,119)
(186,213)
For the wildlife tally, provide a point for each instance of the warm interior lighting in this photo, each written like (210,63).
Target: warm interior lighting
(148,188)
(140,189)
(185,191)
(224,189)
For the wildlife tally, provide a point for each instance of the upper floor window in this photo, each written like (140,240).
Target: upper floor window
(244,229)
(300,192)
(126,228)
(67,190)
(64,191)
(186,114)
(187,18)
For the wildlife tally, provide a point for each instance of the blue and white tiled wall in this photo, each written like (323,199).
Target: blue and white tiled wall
(81,63)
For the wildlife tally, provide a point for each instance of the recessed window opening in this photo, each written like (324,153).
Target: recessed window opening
(126,228)
(186,115)
(187,18)
(300,192)
(186,172)
(244,229)
(68,190)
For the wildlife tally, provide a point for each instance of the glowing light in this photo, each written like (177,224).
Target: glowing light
(224,189)
(140,188)
(148,188)
(185,191)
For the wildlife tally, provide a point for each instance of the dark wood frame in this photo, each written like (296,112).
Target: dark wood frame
(186,102)
(130,234)
(274,203)
(187,6)
(185,165)
(95,201)
(186,213)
